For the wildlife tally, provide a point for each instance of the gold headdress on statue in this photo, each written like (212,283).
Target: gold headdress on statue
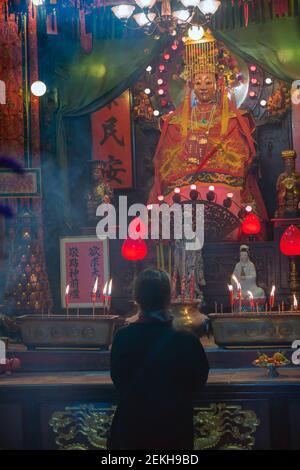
(201,56)
(206,55)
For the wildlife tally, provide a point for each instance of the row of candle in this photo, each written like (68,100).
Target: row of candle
(106,296)
(251,297)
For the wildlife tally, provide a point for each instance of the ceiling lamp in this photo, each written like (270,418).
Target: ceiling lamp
(190,3)
(123,12)
(182,16)
(162,16)
(144,20)
(196,33)
(145,3)
(209,7)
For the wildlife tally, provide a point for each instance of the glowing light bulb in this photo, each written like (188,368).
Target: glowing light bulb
(196,33)
(156,113)
(38,88)
(147,91)
(149,68)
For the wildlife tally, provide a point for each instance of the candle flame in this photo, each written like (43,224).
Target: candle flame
(95,288)
(105,288)
(110,287)
(238,285)
(273,291)
(230,287)
(67,289)
(250,295)
(295,302)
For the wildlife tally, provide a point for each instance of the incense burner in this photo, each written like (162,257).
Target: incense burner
(186,316)
(252,330)
(57,331)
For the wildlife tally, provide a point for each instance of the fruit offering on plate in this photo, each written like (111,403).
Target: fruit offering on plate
(277,360)
(10,365)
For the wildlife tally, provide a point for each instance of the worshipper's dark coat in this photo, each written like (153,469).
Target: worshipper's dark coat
(156,371)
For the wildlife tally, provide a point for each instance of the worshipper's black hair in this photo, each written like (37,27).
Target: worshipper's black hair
(152,290)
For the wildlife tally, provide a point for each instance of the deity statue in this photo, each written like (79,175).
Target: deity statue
(245,274)
(288,187)
(207,140)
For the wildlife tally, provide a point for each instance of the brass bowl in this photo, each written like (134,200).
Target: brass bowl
(58,331)
(255,329)
(186,316)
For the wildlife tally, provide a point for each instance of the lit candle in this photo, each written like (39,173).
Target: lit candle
(272,297)
(104,293)
(108,299)
(295,303)
(239,291)
(231,297)
(67,298)
(94,294)
(251,297)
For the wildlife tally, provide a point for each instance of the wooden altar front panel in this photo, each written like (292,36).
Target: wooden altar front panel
(242,413)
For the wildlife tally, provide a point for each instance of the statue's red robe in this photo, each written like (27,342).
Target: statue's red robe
(223,162)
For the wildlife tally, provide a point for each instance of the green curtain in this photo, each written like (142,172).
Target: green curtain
(90,81)
(274,45)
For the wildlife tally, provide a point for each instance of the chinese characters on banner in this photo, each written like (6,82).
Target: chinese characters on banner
(82,260)
(112,142)
(295,93)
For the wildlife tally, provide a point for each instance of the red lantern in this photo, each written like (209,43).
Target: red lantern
(134,250)
(290,241)
(251,225)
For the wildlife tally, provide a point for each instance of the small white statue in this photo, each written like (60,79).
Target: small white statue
(244,281)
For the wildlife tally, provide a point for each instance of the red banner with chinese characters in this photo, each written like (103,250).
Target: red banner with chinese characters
(82,260)
(112,141)
(295,93)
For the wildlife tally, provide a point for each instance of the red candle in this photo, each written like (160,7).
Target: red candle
(231,296)
(251,297)
(104,294)
(94,294)
(67,298)
(108,299)
(272,297)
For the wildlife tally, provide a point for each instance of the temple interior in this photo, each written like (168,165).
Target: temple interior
(149,135)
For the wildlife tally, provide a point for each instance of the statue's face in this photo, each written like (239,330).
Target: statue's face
(205,87)
(244,256)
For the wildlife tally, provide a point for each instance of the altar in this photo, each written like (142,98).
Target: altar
(137,136)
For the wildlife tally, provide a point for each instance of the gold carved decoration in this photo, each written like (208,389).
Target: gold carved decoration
(224,427)
(219,426)
(82,427)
